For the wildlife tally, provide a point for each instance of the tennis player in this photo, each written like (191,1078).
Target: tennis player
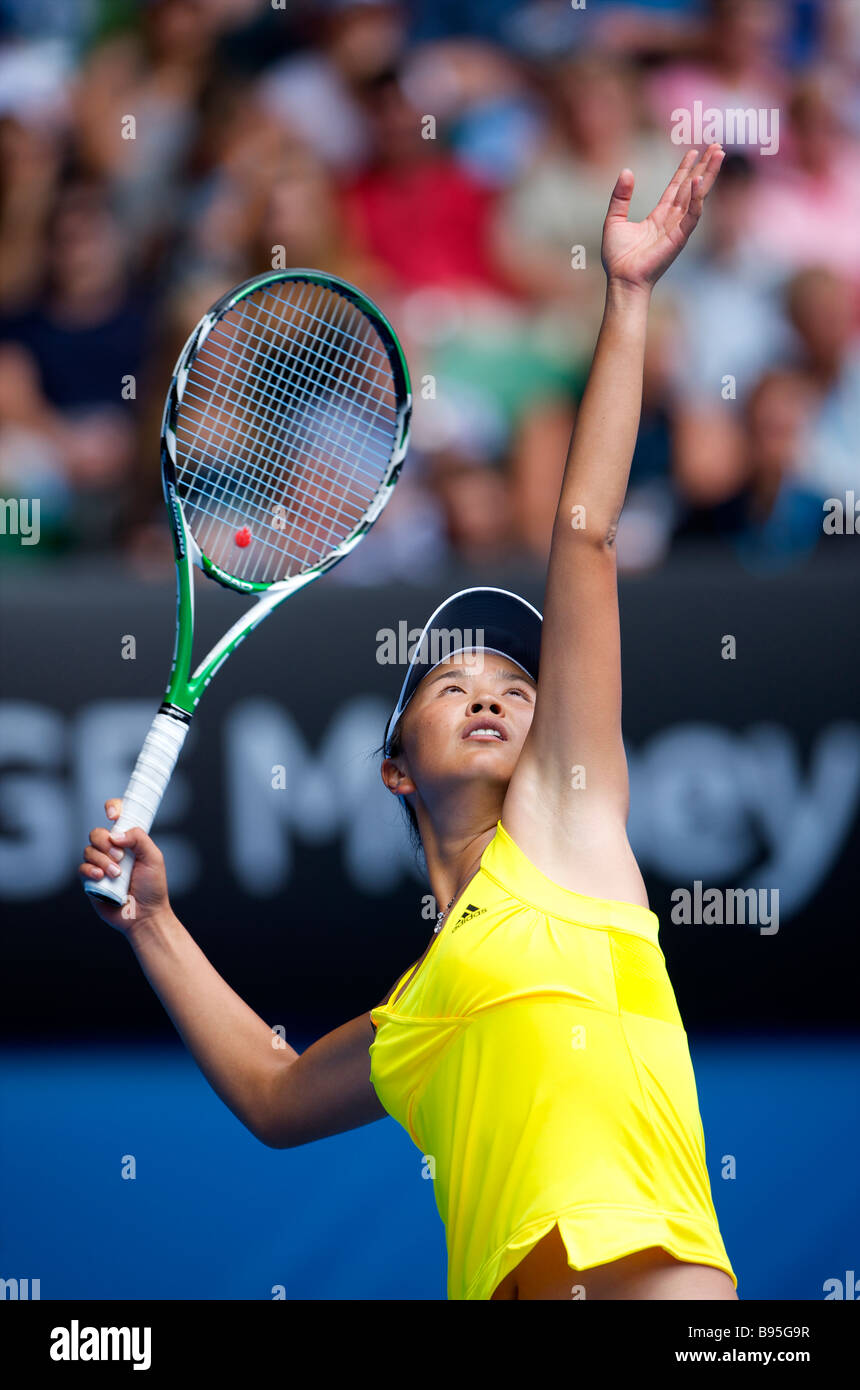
(535,1052)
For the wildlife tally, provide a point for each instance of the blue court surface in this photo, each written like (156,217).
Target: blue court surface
(212,1214)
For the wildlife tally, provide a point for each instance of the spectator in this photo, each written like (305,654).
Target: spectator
(822,307)
(414,208)
(806,210)
(477,507)
(561,201)
(774,519)
(739,63)
(136,110)
(30,161)
(315,95)
(77,355)
(494,123)
(264,137)
(729,298)
(301,225)
(88,329)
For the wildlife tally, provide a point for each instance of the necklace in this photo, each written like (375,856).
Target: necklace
(440,916)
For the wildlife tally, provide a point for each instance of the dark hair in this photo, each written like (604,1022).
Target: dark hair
(395,748)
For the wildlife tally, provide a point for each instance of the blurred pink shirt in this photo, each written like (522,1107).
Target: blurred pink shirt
(800,219)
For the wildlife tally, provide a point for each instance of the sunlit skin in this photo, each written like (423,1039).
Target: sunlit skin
(460,784)
(457,784)
(463,777)
(459,788)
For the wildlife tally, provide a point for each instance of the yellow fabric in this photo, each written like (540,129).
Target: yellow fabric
(538,1057)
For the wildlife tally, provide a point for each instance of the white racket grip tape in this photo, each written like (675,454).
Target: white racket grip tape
(142,798)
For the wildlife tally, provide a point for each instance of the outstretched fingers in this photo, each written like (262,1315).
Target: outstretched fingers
(705,168)
(693,211)
(691,195)
(712,164)
(677,179)
(679,190)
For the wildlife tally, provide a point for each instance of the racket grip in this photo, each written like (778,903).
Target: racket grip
(146,787)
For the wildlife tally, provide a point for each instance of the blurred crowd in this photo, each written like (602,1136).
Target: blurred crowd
(454,159)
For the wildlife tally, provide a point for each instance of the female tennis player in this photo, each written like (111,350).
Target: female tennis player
(534,1053)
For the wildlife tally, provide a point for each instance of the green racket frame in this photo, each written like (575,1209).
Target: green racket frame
(170,726)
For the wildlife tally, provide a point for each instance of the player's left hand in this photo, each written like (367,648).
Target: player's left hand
(637,253)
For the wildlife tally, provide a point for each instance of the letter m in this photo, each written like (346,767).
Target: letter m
(742,905)
(9,527)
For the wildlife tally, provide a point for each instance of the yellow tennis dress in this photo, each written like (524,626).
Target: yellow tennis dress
(537,1056)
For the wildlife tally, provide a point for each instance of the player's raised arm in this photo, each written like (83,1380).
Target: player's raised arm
(572,772)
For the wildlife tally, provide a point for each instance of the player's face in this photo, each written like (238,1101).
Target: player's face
(468,717)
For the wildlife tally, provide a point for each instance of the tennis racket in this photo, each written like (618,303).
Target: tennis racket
(284,432)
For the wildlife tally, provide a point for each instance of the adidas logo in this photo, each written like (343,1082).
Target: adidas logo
(467,914)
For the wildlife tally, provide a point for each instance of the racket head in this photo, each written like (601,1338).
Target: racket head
(284,430)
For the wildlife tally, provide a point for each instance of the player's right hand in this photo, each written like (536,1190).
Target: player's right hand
(148,896)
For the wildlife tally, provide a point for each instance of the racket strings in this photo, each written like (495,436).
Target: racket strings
(339,335)
(265,474)
(287,510)
(246,434)
(265,493)
(275,399)
(324,526)
(287,425)
(276,441)
(210,477)
(257,446)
